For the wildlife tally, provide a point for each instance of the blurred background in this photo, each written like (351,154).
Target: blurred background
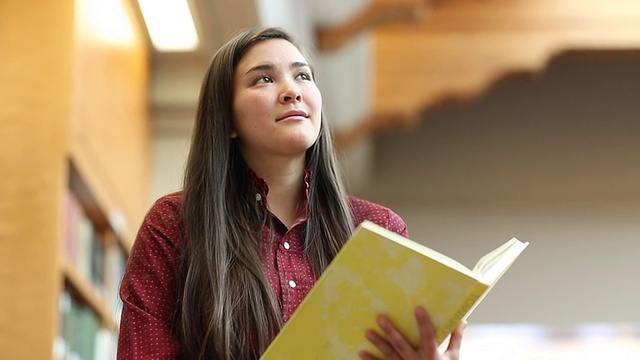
(476,121)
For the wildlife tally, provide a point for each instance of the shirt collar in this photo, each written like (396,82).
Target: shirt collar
(262,188)
(260,185)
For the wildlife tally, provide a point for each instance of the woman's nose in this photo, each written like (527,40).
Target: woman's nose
(289,94)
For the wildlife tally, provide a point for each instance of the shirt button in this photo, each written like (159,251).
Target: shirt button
(258,197)
(286,245)
(292,283)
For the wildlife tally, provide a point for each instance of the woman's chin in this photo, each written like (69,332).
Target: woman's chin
(299,142)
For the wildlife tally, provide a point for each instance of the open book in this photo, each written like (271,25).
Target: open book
(380,272)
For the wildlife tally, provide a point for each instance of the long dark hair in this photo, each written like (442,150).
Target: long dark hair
(227,309)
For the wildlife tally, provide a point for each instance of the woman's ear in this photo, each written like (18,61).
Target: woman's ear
(233,134)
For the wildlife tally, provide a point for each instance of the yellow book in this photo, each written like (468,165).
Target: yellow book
(380,272)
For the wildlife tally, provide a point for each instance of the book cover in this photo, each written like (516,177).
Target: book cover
(380,272)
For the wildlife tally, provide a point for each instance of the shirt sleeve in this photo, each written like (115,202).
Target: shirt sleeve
(397,224)
(148,289)
(378,214)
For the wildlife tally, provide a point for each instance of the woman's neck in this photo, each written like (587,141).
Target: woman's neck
(286,186)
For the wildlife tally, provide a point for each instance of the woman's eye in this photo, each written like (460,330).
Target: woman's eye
(304,76)
(264,80)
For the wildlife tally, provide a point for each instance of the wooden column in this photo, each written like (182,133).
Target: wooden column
(68,93)
(36,46)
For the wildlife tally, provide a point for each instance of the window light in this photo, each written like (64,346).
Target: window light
(170,24)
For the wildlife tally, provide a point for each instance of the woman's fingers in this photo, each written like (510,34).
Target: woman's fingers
(385,348)
(456,339)
(394,346)
(400,345)
(428,342)
(363,355)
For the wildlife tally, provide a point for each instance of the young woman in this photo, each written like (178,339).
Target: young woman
(218,268)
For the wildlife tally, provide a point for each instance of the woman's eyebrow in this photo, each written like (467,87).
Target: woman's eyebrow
(299,64)
(266,67)
(261,67)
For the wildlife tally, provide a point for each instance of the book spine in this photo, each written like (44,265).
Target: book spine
(463,309)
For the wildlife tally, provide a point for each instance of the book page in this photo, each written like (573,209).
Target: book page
(491,266)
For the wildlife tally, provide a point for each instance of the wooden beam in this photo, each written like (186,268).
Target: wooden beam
(376,13)
(372,123)
(466,46)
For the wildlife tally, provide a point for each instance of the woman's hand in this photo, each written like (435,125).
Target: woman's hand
(395,347)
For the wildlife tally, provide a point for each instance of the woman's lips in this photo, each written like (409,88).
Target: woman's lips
(293,113)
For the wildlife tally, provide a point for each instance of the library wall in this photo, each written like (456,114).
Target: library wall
(170,152)
(551,160)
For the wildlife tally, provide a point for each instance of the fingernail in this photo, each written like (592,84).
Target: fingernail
(382,321)
(369,335)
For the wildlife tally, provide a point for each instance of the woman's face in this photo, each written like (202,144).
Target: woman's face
(276,103)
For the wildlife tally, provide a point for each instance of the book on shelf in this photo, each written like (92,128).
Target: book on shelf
(82,243)
(380,272)
(80,334)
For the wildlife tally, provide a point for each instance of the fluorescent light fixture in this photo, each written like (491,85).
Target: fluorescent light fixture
(170,24)
(106,19)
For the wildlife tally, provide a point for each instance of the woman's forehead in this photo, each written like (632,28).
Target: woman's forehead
(272,52)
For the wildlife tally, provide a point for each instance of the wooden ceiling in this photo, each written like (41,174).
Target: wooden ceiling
(428,52)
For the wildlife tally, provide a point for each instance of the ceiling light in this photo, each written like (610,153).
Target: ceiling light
(107,20)
(170,24)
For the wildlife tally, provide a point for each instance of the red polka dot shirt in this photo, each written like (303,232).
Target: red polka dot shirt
(149,283)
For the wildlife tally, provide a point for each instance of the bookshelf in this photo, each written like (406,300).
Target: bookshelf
(88,294)
(92,260)
(74,120)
